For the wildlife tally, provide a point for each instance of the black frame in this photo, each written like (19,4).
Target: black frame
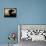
(15,14)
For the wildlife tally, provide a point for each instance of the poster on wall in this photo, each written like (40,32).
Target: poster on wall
(9,12)
(33,32)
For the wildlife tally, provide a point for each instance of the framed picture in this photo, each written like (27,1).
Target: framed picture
(10,12)
(32,32)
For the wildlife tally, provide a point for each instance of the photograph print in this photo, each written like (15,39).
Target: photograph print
(9,12)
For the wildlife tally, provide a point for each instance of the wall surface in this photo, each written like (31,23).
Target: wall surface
(28,12)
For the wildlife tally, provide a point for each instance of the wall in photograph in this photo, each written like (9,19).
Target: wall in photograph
(28,12)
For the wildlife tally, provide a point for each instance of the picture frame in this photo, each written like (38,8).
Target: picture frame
(10,12)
